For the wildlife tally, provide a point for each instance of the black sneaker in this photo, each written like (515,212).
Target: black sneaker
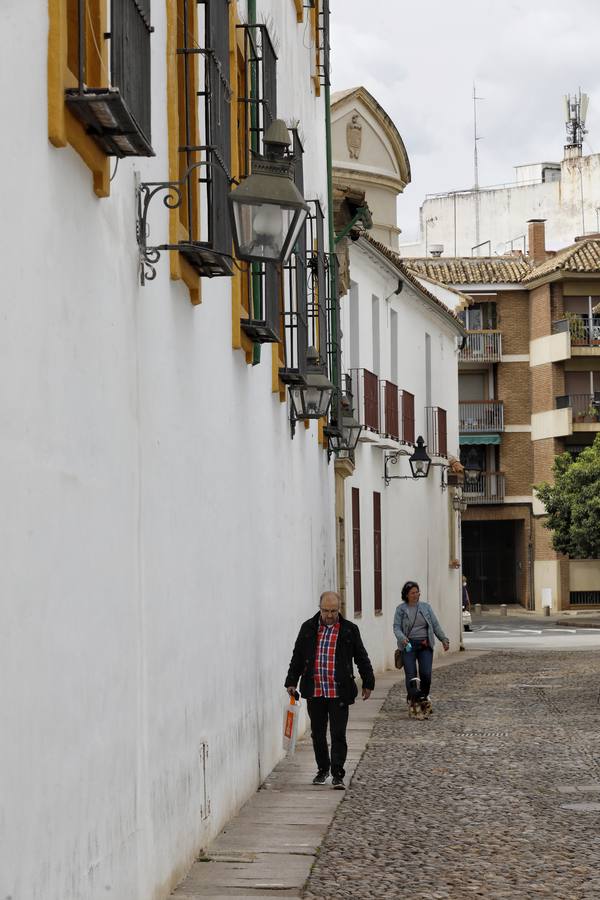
(337,783)
(321,778)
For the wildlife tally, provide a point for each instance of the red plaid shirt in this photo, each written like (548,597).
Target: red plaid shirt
(325,660)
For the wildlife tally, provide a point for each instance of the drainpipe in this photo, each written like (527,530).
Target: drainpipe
(335,375)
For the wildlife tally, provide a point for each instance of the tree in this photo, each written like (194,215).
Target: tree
(573,503)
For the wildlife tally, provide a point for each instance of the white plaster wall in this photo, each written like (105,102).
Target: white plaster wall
(415,532)
(503,212)
(162,536)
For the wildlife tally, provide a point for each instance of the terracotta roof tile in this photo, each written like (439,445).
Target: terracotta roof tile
(584,256)
(471,270)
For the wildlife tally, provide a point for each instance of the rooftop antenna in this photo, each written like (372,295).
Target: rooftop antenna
(476,138)
(576,108)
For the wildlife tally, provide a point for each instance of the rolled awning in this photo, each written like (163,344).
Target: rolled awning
(479,439)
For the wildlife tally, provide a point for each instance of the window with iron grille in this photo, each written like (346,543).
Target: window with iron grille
(377,552)
(202,232)
(112,101)
(257,97)
(305,296)
(356,551)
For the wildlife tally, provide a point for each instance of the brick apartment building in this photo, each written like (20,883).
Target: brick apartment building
(529,388)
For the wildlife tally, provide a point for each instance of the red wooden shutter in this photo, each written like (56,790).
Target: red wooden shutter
(408,417)
(377,550)
(356,551)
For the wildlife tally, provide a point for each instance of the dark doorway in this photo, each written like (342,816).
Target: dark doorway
(490,561)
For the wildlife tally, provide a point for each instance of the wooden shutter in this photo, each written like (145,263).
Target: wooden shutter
(371,383)
(442,432)
(356,551)
(377,551)
(408,417)
(218,99)
(130,58)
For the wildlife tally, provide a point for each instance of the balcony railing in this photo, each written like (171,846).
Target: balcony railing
(489,488)
(586,407)
(482,346)
(478,416)
(437,431)
(584,330)
(365,390)
(390,410)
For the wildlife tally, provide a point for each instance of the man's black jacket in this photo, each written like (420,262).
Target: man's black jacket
(349,646)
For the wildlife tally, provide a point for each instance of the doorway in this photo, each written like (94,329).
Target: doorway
(490,564)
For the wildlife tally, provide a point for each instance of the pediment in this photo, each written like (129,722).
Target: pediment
(366,140)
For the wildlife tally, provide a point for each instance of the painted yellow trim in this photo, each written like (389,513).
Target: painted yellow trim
(63,128)
(180,269)
(299,4)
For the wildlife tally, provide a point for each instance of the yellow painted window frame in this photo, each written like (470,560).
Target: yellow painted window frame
(63,128)
(314,27)
(180,269)
(240,298)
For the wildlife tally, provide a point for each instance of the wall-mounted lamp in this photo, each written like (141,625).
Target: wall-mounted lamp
(267,209)
(311,399)
(344,434)
(419,461)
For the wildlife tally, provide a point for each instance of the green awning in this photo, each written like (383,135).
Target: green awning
(479,439)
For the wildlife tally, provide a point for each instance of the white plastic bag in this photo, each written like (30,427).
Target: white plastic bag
(291,715)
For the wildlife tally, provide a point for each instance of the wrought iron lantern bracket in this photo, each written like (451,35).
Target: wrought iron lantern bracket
(393,459)
(149,255)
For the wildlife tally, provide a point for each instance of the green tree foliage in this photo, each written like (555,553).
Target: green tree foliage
(573,503)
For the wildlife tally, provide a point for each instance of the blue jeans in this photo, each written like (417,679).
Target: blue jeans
(418,662)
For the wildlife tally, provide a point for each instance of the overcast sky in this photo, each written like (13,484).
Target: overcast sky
(419,59)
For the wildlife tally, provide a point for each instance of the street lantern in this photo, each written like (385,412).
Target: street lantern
(420,460)
(267,209)
(311,400)
(472,467)
(344,436)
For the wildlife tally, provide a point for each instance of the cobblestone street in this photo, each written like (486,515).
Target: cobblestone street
(496,796)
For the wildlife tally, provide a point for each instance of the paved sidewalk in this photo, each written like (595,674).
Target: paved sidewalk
(497,796)
(267,851)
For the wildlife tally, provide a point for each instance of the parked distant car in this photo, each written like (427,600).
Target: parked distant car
(466,620)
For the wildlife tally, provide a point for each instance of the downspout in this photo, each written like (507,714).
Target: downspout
(255,280)
(335,376)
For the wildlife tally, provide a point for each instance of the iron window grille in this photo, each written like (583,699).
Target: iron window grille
(323,47)
(117,115)
(207,178)
(260,101)
(201,193)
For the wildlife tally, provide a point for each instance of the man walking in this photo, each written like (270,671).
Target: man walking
(322,659)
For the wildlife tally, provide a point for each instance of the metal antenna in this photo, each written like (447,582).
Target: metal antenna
(476,138)
(576,108)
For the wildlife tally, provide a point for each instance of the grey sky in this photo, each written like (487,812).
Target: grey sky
(420,59)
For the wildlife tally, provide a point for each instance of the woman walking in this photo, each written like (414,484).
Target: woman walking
(416,628)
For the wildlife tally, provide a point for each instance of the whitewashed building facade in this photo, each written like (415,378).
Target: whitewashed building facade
(162,535)
(400,351)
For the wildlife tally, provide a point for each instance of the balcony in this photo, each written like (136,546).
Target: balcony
(390,398)
(365,390)
(481,416)
(482,347)
(489,488)
(437,431)
(585,407)
(584,330)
